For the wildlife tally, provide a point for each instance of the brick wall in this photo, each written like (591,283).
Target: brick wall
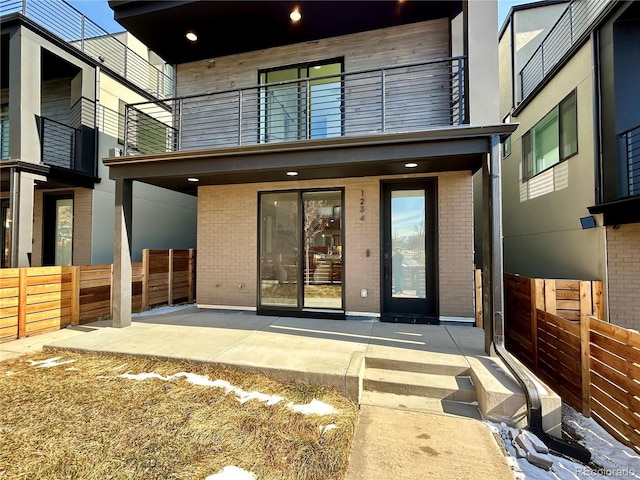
(455,244)
(623,264)
(228,242)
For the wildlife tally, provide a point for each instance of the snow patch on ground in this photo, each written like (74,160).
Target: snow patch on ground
(49,362)
(232,473)
(314,407)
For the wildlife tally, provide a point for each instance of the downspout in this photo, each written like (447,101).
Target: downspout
(495,267)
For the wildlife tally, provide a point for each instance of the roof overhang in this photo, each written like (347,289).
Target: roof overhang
(232,27)
(619,212)
(46,176)
(449,149)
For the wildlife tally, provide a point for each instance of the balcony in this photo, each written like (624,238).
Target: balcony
(402,98)
(631,139)
(73,27)
(571,28)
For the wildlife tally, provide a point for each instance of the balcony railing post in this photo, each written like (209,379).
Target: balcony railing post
(24,7)
(82,33)
(383,94)
(571,20)
(180,103)
(461,97)
(42,140)
(126,130)
(307,97)
(240,117)
(125,61)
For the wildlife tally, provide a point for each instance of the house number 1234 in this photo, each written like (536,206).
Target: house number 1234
(362,205)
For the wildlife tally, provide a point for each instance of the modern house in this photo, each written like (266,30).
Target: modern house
(571,170)
(63,87)
(331,147)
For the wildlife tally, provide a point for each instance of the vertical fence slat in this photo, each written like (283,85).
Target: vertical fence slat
(537,302)
(585,358)
(550,296)
(22,302)
(145,279)
(170,278)
(191,275)
(586,302)
(75,296)
(478,292)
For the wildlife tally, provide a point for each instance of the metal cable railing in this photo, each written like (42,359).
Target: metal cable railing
(4,135)
(58,142)
(404,98)
(571,27)
(73,27)
(632,142)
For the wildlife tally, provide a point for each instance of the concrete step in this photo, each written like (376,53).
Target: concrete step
(435,364)
(421,404)
(449,387)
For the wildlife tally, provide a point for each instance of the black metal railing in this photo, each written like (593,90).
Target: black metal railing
(571,27)
(631,140)
(58,143)
(73,27)
(4,135)
(402,98)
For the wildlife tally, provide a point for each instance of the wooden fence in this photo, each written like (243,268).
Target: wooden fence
(593,365)
(42,299)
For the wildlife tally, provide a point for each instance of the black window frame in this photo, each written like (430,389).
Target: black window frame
(528,164)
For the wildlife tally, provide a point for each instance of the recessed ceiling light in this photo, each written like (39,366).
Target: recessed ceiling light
(295,15)
(411,165)
(292,174)
(193,179)
(191,36)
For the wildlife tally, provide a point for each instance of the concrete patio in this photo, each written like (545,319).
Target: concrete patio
(402,366)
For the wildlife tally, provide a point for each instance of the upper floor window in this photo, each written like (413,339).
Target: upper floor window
(552,140)
(301,102)
(506,147)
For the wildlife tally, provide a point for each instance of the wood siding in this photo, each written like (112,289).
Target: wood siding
(211,121)
(391,46)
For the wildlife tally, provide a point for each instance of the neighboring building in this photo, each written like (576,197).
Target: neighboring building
(332,157)
(64,84)
(571,171)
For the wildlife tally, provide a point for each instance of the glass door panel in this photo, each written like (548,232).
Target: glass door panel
(408,243)
(279,242)
(64,231)
(322,237)
(409,252)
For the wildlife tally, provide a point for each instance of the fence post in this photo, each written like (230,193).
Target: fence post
(192,281)
(537,302)
(550,296)
(145,280)
(478,280)
(585,359)
(75,296)
(22,302)
(111,291)
(596,295)
(586,303)
(170,278)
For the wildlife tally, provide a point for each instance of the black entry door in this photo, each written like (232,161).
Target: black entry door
(409,268)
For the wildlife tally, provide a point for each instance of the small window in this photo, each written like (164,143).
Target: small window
(552,140)
(506,147)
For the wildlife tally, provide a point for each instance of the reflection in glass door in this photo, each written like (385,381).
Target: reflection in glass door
(301,250)
(279,249)
(409,256)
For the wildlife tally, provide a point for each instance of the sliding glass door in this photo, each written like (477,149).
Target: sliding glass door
(301,250)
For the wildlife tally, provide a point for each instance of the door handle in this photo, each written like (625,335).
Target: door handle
(386,265)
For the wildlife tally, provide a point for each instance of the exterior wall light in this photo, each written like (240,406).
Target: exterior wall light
(410,165)
(295,15)
(191,36)
(193,179)
(292,174)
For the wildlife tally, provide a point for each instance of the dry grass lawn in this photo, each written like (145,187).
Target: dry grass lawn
(83,420)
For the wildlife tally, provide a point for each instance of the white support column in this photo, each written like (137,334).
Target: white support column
(22,187)
(121,285)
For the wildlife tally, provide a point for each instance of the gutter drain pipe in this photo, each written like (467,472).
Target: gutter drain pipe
(557,446)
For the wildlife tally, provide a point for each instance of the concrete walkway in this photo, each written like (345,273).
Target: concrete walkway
(389,443)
